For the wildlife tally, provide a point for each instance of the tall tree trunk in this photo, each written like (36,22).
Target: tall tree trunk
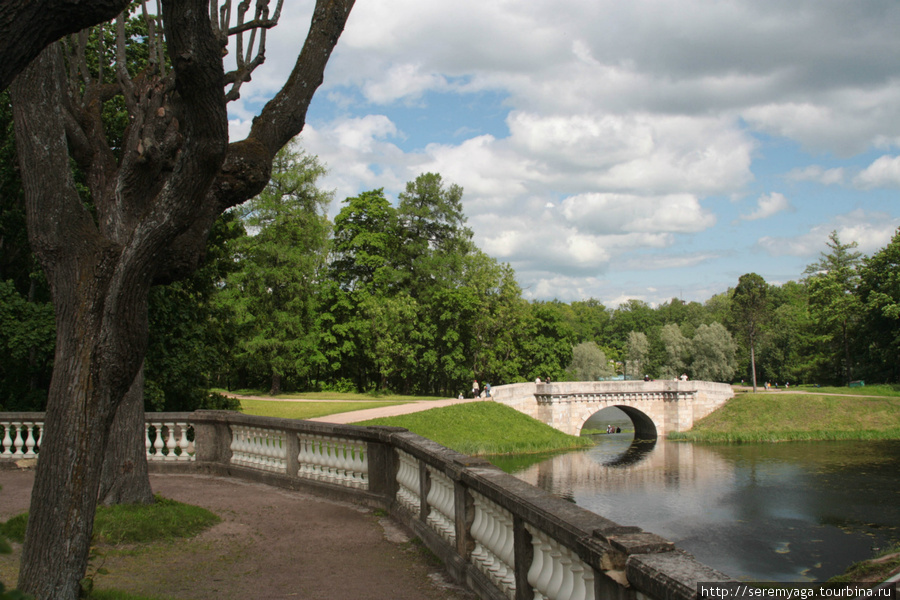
(154,210)
(100,323)
(275,388)
(753,362)
(125,478)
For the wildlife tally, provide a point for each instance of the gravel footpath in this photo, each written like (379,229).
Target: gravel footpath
(271,544)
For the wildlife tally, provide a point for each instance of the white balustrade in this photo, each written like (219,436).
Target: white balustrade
(21,439)
(334,460)
(494,553)
(442,507)
(258,448)
(408,482)
(556,572)
(168,441)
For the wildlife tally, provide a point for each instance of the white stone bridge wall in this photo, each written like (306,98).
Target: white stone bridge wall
(657,408)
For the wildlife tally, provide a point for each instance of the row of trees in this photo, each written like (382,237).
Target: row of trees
(398,297)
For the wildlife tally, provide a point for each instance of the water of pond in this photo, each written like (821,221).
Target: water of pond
(800,511)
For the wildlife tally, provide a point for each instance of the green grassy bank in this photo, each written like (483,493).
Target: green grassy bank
(786,417)
(478,428)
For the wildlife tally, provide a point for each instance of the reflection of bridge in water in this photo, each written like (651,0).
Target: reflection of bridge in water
(644,465)
(655,407)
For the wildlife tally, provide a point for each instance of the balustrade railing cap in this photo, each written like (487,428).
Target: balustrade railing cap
(640,543)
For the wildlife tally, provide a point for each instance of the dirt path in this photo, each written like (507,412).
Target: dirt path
(271,544)
(391,411)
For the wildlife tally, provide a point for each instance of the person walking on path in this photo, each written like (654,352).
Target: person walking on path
(475,389)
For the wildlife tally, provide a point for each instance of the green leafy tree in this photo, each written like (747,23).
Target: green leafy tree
(432,233)
(633,315)
(544,341)
(834,305)
(879,295)
(713,352)
(365,242)
(27,339)
(678,351)
(192,334)
(749,312)
(589,363)
(273,293)
(394,336)
(788,348)
(637,348)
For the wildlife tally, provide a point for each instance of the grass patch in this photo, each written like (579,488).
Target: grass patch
(305,410)
(478,428)
(14,529)
(874,570)
(798,417)
(164,520)
(884,389)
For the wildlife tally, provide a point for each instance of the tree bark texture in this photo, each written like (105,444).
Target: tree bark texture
(125,478)
(154,209)
(29,26)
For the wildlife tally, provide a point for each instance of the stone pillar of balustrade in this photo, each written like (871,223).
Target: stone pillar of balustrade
(383,465)
(212,436)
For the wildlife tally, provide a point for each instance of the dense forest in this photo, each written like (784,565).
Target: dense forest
(396,296)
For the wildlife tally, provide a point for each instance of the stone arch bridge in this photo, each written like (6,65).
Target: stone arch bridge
(656,408)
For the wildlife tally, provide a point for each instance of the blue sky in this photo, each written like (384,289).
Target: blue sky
(647,149)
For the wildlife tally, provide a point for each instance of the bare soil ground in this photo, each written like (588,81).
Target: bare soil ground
(271,544)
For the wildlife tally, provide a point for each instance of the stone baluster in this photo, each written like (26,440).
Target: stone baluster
(184,444)
(440,500)
(558,573)
(158,444)
(328,460)
(16,444)
(507,554)
(7,440)
(171,443)
(40,434)
(338,462)
(494,554)
(268,448)
(343,461)
(29,440)
(360,466)
(237,439)
(477,532)
(280,452)
(257,441)
(539,562)
(302,458)
(408,480)
(308,459)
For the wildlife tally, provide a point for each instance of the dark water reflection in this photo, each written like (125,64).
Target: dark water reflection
(776,512)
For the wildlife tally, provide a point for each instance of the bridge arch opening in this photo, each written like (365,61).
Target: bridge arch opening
(644,428)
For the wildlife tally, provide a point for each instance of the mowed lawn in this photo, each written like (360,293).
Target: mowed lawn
(787,416)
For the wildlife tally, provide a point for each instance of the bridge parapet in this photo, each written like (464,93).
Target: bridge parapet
(502,537)
(656,407)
